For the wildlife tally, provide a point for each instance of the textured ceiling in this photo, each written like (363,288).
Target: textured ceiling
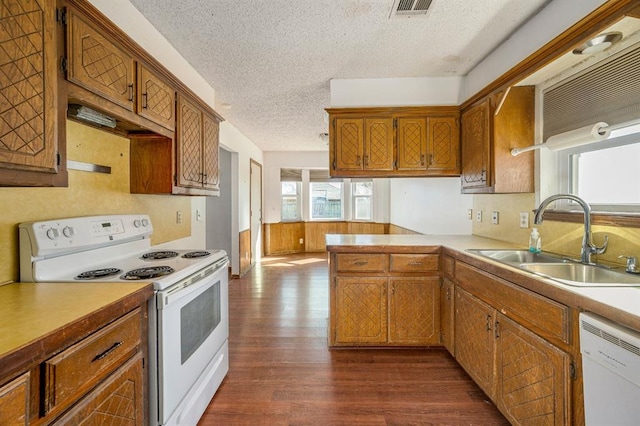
(270,61)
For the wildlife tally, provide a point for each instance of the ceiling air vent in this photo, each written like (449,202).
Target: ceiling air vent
(409,8)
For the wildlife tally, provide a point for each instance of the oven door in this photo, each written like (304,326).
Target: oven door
(193,326)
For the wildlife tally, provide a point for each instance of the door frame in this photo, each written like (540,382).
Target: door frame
(258,238)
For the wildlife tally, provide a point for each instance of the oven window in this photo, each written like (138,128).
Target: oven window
(198,319)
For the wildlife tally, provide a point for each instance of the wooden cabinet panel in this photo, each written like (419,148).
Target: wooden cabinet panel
(29,98)
(349,134)
(474,340)
(14,401)
(156,98)
(98,64)
(414,311)
(80,367)
(443,145)
(210,152)
(412,143)
(533,377)
(414,262)
(447,310)
(118,400)
(189,144)
(348,262)
(540,314)
(476,145)
(361,310)
(448,266)
(378,144)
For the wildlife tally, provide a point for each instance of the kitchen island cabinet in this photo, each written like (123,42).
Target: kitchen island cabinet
(70,350)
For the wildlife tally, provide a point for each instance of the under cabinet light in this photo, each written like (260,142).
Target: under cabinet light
(87,114)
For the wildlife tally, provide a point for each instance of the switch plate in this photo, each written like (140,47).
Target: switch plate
(524,219)
(479,216)
(178,216)
(494,217)
(470,214)
(198,215)
(301,240)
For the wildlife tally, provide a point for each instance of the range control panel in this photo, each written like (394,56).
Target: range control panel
(60,236)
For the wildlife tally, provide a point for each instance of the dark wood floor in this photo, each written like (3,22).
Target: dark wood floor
(282,373)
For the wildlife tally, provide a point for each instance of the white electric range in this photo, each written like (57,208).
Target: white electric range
(188,316)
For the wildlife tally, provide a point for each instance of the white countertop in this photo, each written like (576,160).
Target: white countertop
(626,299)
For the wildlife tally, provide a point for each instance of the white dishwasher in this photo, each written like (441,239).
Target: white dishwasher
(611,372)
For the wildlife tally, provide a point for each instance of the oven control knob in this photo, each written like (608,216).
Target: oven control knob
(53,233)
(137,223)
(145,222)
(68,231)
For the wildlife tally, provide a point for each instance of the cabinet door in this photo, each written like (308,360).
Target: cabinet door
(156,99)
(118,400)
(28,89)
(474,340)
(476,145)
(97,64)
(189,144)
(443,145)
(412,144)
(14,402)
(378,144)
(414,316)
(533,377)
(448,314)
(210,152)
(361,310)
(349,143)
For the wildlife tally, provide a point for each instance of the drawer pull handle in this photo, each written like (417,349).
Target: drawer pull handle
(361,263)
(496,330)
(488,322)
(415,263)
(113,347)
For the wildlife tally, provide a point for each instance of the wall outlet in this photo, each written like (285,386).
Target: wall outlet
(301,240)
(178,216)
(494,217)
(479,216)
(524,219)
(470,214)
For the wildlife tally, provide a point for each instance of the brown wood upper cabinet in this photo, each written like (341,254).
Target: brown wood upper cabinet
(490,129)
(98,64)
(33,150)
(387,142)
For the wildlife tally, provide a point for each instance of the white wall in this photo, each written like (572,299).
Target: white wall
(430,205)
(550,22)
(426,205)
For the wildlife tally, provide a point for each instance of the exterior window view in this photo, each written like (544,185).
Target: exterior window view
(334,212)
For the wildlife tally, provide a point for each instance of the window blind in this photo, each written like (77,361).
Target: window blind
(321,175)
(290,175)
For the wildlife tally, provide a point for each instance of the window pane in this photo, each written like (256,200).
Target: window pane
(362,188)
(289,188)
(326,200)
(609,176)
(362,208)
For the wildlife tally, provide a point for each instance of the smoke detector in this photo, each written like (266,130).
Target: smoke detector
(409,8)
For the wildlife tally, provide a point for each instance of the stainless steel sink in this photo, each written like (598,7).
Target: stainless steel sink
(563,270)
(516,257)
(579,274)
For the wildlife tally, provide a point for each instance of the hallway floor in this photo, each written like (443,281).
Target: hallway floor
(282,373)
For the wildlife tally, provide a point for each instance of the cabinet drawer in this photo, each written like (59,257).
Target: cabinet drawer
(414,262)
(361,262)
(14,401)
(448,266)
(79,368)
(544,316)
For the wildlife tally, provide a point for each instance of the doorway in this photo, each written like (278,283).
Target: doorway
(255,188)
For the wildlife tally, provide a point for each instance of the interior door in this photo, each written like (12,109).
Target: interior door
(256,210)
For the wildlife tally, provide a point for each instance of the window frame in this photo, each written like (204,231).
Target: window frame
(342,203)
(354,196)
(298,196)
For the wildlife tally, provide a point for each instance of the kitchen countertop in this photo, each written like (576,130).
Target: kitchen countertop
(31,313)
(626,300)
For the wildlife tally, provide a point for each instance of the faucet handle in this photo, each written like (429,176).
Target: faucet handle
(603,248)
(632,265)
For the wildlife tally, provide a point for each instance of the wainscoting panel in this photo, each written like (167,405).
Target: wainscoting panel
(245,251)
(283,238)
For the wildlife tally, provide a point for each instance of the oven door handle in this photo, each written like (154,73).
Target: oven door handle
(191,284)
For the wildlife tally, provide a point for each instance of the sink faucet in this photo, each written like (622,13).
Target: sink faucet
(588,248)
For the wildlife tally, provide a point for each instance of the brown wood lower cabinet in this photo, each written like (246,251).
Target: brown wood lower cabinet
(384,299)
(14,401)
(447,314)
(525,375)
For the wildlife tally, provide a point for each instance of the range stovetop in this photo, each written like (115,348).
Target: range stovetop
(104,249)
